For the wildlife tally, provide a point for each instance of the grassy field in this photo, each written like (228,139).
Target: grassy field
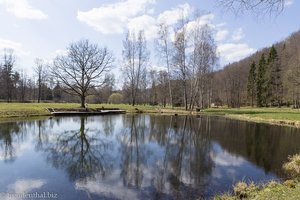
(13,110)
(283,116)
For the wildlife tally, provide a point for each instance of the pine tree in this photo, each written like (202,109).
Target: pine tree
(251,86)
(262,82)
(275,80)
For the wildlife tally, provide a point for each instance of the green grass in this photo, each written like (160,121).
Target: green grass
(13,110)
(284,116)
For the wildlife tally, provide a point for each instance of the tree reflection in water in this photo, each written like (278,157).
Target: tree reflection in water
(184,165)
(8,134)
(82,153)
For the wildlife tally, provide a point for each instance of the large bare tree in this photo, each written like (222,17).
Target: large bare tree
(83,68)
(180,57)
(136,57)
(164,47)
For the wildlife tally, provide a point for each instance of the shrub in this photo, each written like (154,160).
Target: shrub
(292,167)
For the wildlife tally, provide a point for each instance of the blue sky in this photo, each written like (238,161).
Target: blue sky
(43,28)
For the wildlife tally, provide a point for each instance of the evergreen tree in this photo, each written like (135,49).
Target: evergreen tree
(251,86)
(275,80)
(262,82)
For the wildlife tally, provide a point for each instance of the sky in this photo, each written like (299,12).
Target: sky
(44,28)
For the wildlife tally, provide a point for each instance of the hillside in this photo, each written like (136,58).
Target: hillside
(231,82)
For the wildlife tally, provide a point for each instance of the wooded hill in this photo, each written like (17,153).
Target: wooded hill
(281,84)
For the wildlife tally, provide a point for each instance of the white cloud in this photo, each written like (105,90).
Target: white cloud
(288,2)
(172,16)
(22,9)
(232,52)
(113,18)
(238,34)
(146,23)
(16,46)
(221,35)
(226,159)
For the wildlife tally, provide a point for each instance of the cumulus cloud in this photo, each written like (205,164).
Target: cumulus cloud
(221,35)
(146,23)
(172,16)
(113,18)
(22,9)
(238,34)
(234,51)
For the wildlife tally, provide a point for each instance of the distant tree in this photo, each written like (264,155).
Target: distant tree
(57,92)
(41,76)
(115,98)
(82,69)
(9,77)
(153,90)
(163,86)
(275,80)
(262,82)
(136,58)
(251,86)
(23,86)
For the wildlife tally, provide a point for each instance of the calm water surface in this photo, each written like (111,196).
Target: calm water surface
(139,156)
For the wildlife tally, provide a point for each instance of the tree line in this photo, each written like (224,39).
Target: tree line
(269,77)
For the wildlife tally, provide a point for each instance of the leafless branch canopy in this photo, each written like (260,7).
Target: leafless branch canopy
(83,68)
(256,6)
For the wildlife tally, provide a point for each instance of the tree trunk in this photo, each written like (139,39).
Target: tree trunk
(82,101)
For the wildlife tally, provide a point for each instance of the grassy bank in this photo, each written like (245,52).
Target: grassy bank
(14,110)
(287,190)
(282,116)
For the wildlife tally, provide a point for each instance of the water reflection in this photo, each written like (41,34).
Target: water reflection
(9,134)
(145,157)
(81,153)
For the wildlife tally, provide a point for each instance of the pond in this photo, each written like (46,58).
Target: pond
(138,156)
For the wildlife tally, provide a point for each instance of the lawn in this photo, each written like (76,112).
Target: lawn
(9,110)
(285,116)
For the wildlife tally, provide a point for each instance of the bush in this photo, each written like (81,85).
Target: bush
(115,98)
(292,167)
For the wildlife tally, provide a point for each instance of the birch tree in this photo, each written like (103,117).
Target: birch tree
(136,58)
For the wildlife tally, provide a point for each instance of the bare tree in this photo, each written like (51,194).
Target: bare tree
(83,68)
(202,60)
(136,57)
(41,76)
(180,57)
(256,6)
(23,86)
(164,48)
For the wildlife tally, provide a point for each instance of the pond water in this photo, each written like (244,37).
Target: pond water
(138,156)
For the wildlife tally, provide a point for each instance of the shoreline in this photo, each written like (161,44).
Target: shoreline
(273,116)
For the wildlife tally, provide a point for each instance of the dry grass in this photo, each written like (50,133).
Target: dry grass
(292,167)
